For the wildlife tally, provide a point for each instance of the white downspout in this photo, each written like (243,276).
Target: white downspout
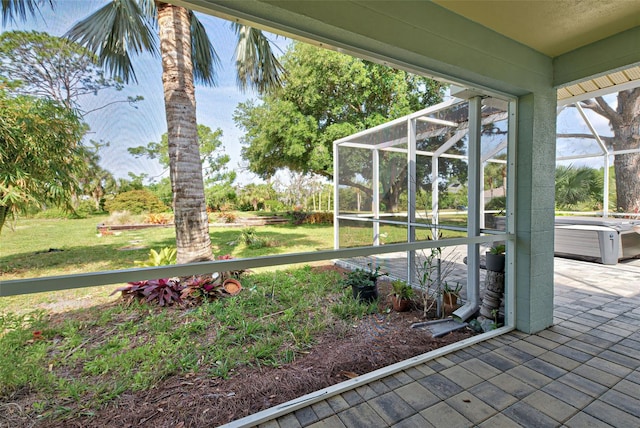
(473,221)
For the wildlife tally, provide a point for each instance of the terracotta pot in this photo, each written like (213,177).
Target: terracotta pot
(450,299)
(449,303)
(400,304)
(232,286)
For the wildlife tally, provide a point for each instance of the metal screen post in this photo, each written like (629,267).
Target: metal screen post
(336,185)
(473,219)
(412,187)
(376,196)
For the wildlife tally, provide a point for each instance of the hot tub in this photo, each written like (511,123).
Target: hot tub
(605,240)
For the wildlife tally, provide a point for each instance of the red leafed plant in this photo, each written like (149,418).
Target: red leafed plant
(186,290)
(165,290)
(201,286)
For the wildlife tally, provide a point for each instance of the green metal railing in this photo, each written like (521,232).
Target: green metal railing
(65,282)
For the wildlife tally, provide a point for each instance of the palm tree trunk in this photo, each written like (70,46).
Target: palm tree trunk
(191,221)
(4,213)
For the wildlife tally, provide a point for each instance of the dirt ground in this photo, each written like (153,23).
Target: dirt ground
(199,401)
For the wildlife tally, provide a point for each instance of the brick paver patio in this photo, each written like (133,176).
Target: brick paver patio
(582,372)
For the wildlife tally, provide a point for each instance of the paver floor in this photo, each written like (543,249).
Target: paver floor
(582,372)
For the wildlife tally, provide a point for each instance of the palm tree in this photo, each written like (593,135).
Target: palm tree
(125,27)
(576,185)
(624,121)
(20,9)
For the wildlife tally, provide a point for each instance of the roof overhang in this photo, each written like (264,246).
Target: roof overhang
(516,47)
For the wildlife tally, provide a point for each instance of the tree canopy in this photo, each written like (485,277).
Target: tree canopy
(325,95)
(624,120)
(218,179)
(40,156)
(212,156)
(51,67)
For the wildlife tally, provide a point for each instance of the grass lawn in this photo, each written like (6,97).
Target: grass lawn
(31,249)
(71,364)
(68,353)
(43,247)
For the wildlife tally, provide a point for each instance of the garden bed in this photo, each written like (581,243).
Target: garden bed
(198,398)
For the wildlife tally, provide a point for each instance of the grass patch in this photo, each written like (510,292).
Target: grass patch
(78,361)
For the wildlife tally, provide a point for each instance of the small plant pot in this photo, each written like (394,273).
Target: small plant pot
(450,299)
(494,262)
(449,303)
(232,286)
(400,304)
(366,294)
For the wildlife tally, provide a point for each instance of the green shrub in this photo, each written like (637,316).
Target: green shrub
(227,217)
(497,203)
(87,208)
(136,202)
(166,256)
(273,205)
(302,217)
(251,239)
(122,217)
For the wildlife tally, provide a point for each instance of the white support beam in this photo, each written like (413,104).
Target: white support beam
(595,134)
(497,149)
(376,196)
(473,218)
(438,121)
(412,188)
(336,199)
(451,141)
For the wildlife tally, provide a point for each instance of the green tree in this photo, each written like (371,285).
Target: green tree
(624,121)
(327,95)
(134,182)
(51,67)
(212,156)
(162,189)
(254,195)
(97,181)
(217,177)
(39,64)
(136,202)
(125,27)
(40,157)
(578,185)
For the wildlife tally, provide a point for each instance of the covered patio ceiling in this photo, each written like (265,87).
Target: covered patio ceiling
(555,28)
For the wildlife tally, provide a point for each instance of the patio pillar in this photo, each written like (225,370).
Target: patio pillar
(534,213)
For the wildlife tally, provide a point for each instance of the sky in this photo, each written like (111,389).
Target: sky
(124,126)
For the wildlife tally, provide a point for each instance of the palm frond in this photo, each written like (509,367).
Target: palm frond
(256,64)
(12,9)
(203,55)
(116,31)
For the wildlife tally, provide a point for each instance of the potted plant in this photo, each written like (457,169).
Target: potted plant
(494,260)
(364,283)
(450,296)
(401,296)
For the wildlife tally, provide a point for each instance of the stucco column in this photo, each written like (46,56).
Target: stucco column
(534,213)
